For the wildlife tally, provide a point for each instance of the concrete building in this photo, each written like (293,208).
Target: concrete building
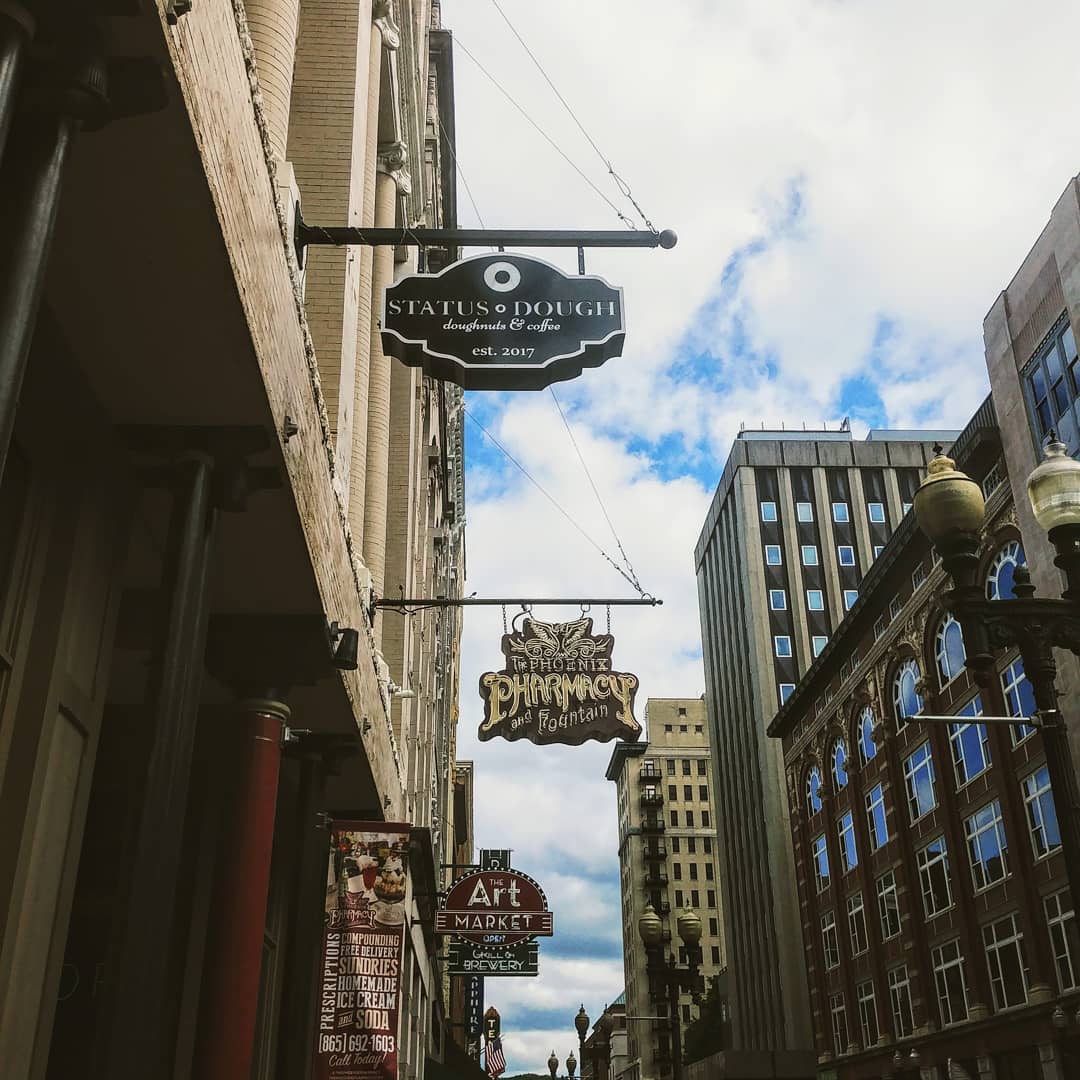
(1030,336)
(797,520)
(931,885)
(667,858)
(208,472)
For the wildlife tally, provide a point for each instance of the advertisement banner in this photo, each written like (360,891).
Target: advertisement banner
(363,943)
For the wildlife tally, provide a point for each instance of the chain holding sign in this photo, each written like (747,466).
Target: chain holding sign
(558,686)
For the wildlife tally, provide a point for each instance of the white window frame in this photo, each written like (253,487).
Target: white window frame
(815,559)
(927,862)
(911,771)
(811,596)
(785,690)
(1058,916)
(841,513)
(868,1011)
(839,748)
(769,549)
(841,558)
(907,667)
(773,594)
(974,832)
(867,747)
(918,576)
(819,848)
(851,598)
(994,946)
(886,886)
(1034,791)
(899,1001)
(875,798)
(941,654)
(837,1010)
(811,795)
(856,913)
(828,930)
(882,520)
(823,638)
(799,512)
(1012,678)
(777,638)
(775,515)
(942,964)
(963,770)
(1012,553)
(845,826)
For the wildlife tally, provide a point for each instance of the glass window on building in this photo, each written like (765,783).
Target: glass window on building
(777,600)
(672,792)
(867,746)
(674,814)
(689,819)
(987,845)
(693,871)
(875,818)
(1051,386)
(813,790)
(918,576)
(876,512)
(815,600)
(845,831)
(768,511)
(709,871)
(839,765)
(933,863)
(773,556)
(710,898)
(671,766)
(782,645)
(1019,699)
(850,597)
(819,642)
(686,766)
(838,1015)
(919,780)
(1042,817)
(950,982)
(676,845)
(715,954)
(999,578)
(949,650)
(840,512)
(830,944)
(809,555)
(784,691)
(705,822)
(900,1001)
(687,792)
(703,792)
(888,905)
(1004,944)
(1059,913)
(701,766)
(970,745)
(845,554)
(821,862)
(856,914)
(804,511)
(907,702)
(676,871)
(691,845)
(868,1022)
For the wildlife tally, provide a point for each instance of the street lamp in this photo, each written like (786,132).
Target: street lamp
(950,509)
(571,1065)
(665,978)
(581,1022)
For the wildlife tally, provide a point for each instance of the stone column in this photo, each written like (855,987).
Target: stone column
(273,33)
(230,995)
(391,177)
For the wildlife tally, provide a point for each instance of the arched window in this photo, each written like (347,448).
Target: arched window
(949,649)
(999,578)
(906,700)
(867,747)
(813,790)
(839,764)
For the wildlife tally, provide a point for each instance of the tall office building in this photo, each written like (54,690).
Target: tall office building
(667,858)
(797,519)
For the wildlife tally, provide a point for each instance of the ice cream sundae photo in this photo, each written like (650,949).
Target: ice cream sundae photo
(389,889)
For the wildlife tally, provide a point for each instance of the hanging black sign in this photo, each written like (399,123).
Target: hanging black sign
(465,958)
(558,686)
(502,322)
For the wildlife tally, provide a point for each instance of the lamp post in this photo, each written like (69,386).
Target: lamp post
(553,1066)
(951,510)
(581,1022)
(571,1065)
(665,978)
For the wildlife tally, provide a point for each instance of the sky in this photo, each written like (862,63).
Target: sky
(853,183)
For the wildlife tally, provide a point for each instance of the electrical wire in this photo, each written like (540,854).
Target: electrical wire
(622,185)
(551,499)
(554,145)
(461,173)
(630,575)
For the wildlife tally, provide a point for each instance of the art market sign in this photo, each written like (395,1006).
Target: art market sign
(558,686)
(495,908)
(503,322)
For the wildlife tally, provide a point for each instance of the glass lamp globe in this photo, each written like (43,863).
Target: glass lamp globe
(649,926)
(571,1064)
(581,1022)
(688,924)
(1054,488)
(948,501)
(553,1065)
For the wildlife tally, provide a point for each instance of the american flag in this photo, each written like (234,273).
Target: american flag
(494,1059)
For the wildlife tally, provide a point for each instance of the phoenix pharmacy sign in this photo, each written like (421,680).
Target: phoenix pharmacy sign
(503,322)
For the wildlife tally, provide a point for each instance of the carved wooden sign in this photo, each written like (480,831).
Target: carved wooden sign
(558,686)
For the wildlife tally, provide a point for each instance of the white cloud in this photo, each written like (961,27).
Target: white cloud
(868,176)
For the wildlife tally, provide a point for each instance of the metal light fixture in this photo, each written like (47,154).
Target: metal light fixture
(688,925)
(344,646)
(914,1058)
(650,927)
(553,1065)
(948,503)
(581,1022)
(1054,488)
(571,1065)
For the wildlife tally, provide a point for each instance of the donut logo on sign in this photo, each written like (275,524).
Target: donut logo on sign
(502,322)
(496,908)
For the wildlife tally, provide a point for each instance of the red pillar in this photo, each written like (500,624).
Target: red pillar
(230,991)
